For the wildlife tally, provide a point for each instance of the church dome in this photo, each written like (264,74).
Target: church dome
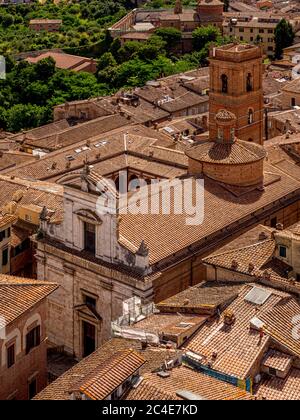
(227,159)
(237,153)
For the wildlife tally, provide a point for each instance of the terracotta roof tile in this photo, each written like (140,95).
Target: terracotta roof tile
(108,376)
(253,255)
(277,360)
(230,154)
(273,388)
(59,389)
(19,295)
(204,297)
(237,346)
(184,379)
(155,228)
(280,322)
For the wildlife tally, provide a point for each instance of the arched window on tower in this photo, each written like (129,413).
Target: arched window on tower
(250,116)
(249,83)
(224,81)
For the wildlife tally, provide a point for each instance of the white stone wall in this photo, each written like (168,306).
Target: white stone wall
(77,277)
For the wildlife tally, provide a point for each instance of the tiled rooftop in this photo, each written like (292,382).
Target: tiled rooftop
(230,154)
(184,379)
(110,374)
(59,389)
(237,346)
(277,360)
(19,295)
(205,297)
(155,228)
(273,388)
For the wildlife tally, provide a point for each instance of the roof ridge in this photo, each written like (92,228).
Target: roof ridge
(239,249)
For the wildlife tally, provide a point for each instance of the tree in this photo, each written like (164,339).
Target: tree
(105,61)
(203,35)
(24,116)
(284,37)
(45,68)
(171,36)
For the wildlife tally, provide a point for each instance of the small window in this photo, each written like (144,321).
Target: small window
(33,339)
(224,80)
(249,85)
(10,355)
(261,31)
(32,389)
(5,256)
(90,301)
(282,251)
(220,135)
(298,277)
(90,237)
(250,116)
(293,102)
(274,222)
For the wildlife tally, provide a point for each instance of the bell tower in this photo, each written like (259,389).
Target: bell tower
(178,7)
(236,84)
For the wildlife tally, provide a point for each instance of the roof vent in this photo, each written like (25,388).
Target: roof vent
(229,317)
(186,302)
(263,236)
(190,396)
(256,324)
(163,374)
(17,196)
(279,226)
(70,158)
(251,267)
(267,275)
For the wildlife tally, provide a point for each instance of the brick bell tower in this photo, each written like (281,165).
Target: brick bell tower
(236,84)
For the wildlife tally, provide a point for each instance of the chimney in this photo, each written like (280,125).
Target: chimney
(263,236)
(234,265)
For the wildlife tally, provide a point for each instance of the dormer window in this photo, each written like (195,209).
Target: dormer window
(282,251)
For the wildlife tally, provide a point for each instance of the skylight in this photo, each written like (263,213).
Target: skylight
(258,296)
